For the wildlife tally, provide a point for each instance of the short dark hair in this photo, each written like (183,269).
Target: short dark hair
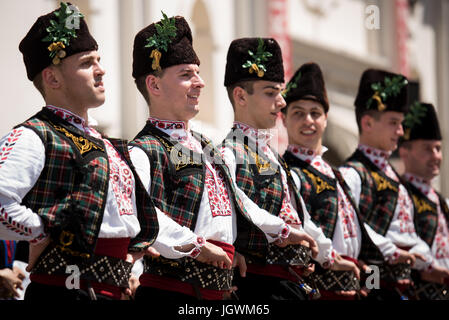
(248,86)
(142,86)
(372,113)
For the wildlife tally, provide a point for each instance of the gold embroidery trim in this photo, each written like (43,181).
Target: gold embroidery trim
(262,164)
(319,183)
(422,205)
(177,156)
(81,143)
(382,183)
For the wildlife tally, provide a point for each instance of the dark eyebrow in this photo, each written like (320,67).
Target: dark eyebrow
(272,87)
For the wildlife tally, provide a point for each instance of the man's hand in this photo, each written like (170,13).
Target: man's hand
(214,255)
(436,274)
(299,237)
(240,262)
(405,257)
(35,252)
(341,264)
(132,257)
(10,282)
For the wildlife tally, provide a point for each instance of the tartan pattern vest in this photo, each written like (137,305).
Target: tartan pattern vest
(379,194)
(146,212)
(324,208)
(319,193)
(177,184)
(70,193)
(258,177)
(426,214)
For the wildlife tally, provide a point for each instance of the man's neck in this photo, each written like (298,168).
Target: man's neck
(79,111)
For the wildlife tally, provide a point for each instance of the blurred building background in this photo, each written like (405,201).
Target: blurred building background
(343,36)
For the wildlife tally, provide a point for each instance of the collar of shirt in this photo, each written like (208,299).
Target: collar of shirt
(73,119)
(260,135)
(177,130)
(421,184)
(312,157)
(377,156)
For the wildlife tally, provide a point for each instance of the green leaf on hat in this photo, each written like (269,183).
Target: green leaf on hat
(391,87)
(258,58)
(58,30)
(291,85)
(166,30)
(416,113)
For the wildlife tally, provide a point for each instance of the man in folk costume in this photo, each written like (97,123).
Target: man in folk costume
(64,187)
(326,195)
(184,174)
(383,201)
(420,151)
(254,78)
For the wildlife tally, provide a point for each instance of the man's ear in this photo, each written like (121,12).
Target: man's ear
(366,123)
(240,96)
(152,84)
(51,78)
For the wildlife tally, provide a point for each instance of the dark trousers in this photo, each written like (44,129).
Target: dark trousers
(265,288)
(146,294)
(42,292)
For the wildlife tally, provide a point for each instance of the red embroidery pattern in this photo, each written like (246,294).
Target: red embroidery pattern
(68,116)
(167,124)
(9,144)
(405,206)
(219,202)
(122,180)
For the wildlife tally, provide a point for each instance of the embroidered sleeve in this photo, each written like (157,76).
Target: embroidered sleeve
(422,248)
(22,155)
(385,245)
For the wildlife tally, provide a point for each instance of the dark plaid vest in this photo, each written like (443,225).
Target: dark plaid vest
(426,214)
(177,184)
(259,177)
(323,205)
(379,194)
(71,191)
(319,193)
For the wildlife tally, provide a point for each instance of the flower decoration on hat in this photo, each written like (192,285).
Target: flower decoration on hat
(413,117)
(166,30)
(256,64)
(291,85)
(62,31)
(390,88)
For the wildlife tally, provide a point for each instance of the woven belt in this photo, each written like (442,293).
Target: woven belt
(101,269)
(331,280)
(191,271)
(292,255)
(425,290)
(395,272)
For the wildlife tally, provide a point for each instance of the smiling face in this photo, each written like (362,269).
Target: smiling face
(305,121)
(261,108)
(81,80)
(177,93)
(422,158)
(382,131)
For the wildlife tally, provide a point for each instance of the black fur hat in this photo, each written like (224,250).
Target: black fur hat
(308,84)
(254,59)
(421,122)
(53,37)
(382,91)
(163,44)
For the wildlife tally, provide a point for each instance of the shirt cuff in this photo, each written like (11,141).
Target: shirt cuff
(283,234)
(331,259)
(40,238)
(392,258)
(199,243)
